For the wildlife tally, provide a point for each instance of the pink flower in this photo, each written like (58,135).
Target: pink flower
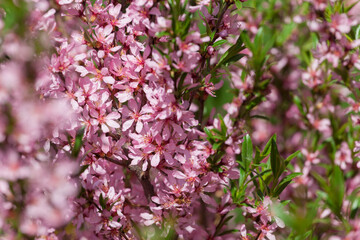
(343,156)
(161,150)
(100,116)
(310,158)
(209,86)
(106,121)
(187,62)
(104,35)
(313,76)
(243,236)
(150,219)
(322,125)
(132,113)
(354,105)
(116,18)
(266,230)
(186,47)
(261,210)
(340,24)
(86,91)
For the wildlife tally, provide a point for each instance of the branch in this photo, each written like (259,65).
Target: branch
(143,177)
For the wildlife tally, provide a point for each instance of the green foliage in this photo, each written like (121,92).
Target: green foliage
(263,175)
(247,151)
(15,16)
(78,142)
(277,162)
(232,54)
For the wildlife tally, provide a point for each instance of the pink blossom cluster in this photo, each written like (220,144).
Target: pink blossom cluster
(108,125)
(36,192)
(315,94)
(144,156)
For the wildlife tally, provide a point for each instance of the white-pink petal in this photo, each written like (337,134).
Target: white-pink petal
(146,216)
(139,126)
(155,160)
(112,123)
(109,80)
(113,115)
(105,128)
(127,124)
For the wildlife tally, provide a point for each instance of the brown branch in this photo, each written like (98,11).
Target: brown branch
(203,60)
(143,177)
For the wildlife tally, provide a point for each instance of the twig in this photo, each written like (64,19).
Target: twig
(142,176)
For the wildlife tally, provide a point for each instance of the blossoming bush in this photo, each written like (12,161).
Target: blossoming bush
(179,119)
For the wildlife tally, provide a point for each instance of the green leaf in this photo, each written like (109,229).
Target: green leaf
(357,33)
(277,163)
(336,191)
(254,102)
(220,42)
(245,38)
(222,125)
(348,8)
(289,158)
(232,53)
(15,16)
(298,103)
(102,201)
(321,181)
(232,59)
(259,175)
(257,158)
(267,148)
(216,146)
(284,182)
(87,37)
(228,232)
(78,142)
(228,218)
(260,117)
(181,82)
(161,34)
(208,133)
(286,33)
(247,151)
(82,169)
(238,4)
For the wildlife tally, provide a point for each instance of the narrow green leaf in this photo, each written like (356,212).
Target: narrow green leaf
(292,156)
(208,133)
(267,148)
(102,201)
(259,175)
(181,81)
(298,103)
(257,158)
(357,33)
(260,117)
(228,232)
(222,125)
(286,33)
(78,142)
(231,52)
(247,151)
(277,165)
(217,145)
(220,42)
(284,182)
(336,191)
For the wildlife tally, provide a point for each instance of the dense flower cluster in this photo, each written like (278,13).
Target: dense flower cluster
(136,119)
(36,193)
